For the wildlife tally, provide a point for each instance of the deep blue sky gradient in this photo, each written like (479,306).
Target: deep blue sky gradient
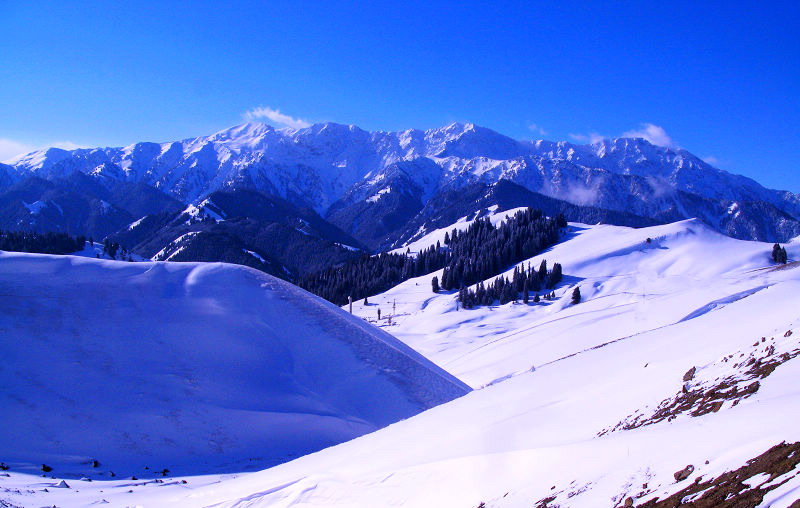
(723,79)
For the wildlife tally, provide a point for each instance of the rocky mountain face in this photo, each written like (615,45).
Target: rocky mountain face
(243,227)
(373,185)
(79,204)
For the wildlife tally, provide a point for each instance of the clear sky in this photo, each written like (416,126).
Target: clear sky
(721,79)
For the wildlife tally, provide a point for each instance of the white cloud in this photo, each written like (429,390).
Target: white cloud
(712,160)
(276,117)
(652,133)
(537,129)
(581,195)
(655,134)
(592,138)
(65,145)
(10,149)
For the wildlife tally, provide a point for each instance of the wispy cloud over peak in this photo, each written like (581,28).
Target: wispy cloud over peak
(276,117)
(11,149)
(537,129)
(652,133)
(591,138)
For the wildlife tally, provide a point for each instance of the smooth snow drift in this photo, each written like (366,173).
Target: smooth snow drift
(189,367)
(586,404)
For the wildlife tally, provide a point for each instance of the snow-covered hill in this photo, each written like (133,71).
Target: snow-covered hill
(683,352)
(347,174)
(189,367)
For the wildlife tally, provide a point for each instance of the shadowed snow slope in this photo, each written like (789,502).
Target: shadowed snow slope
(685,350)
(189,367)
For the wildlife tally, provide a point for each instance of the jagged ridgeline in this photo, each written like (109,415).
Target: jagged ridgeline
(43,243)
(481,251)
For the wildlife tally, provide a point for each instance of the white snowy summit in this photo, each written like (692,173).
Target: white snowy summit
(335,169)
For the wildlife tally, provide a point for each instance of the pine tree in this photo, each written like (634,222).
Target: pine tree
(555,276)
(576,295)
(776,253)
(435,284)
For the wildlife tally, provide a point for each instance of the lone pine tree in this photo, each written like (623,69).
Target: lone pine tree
(576,295)
(779,254)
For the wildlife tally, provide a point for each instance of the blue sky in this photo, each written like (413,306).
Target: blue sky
(721,80)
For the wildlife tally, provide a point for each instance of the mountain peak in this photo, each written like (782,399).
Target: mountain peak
(247,130)
(325,163)
(455,129)
(331,128)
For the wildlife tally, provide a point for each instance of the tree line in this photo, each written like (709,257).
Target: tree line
(523,282)
(481,251)
(43,243)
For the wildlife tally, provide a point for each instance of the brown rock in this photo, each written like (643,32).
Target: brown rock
(689,374)
(683,473)
(628,501)
(788,333)
(716,406)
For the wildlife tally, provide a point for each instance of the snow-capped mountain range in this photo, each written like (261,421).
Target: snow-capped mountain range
(340,169)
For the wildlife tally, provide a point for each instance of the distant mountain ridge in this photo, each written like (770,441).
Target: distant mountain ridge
(244,227)
(371,184)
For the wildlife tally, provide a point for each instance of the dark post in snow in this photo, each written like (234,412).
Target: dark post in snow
(350,301)
(379,314)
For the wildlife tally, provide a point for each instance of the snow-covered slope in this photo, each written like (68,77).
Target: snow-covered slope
(187,366)
(587,404)
(342,171)
(438,235)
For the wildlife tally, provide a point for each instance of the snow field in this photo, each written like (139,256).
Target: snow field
(549,379)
